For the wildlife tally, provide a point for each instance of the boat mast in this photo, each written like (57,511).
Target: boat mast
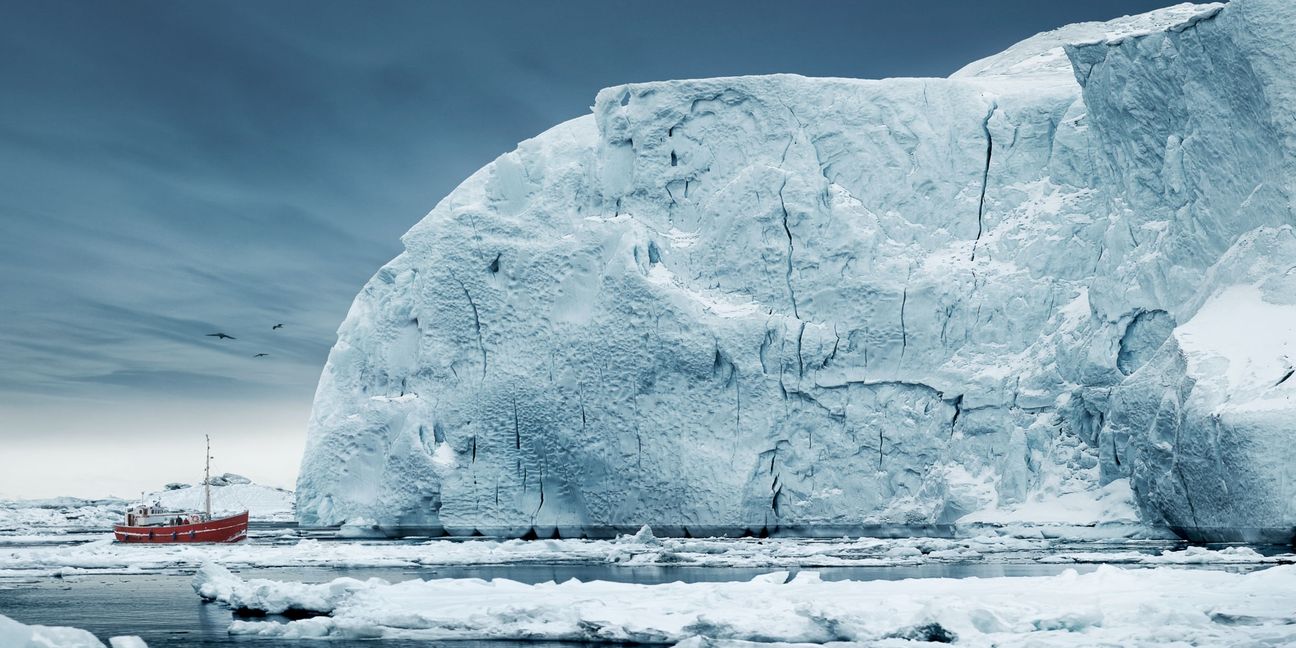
(207,480)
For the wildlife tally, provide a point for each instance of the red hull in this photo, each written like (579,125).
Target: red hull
(227,529)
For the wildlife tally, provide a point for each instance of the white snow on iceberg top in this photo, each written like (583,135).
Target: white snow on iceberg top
(1044,53)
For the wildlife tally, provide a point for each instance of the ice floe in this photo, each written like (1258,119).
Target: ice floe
(17,635)
(1110,606)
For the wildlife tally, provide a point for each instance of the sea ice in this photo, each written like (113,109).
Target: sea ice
(17,635)
(1111,606)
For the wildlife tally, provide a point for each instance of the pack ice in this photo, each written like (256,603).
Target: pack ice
(785,303)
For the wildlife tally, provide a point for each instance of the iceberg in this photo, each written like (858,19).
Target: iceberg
(777,304)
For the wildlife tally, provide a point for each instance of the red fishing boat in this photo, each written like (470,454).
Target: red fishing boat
(153,523)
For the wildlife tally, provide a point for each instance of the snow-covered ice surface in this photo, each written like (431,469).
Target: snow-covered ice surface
(1110,505)
(806,305)
(1111,606)
(17,635)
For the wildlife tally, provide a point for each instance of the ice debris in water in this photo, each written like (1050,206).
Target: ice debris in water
(100,556)
(17,635)
(644,536)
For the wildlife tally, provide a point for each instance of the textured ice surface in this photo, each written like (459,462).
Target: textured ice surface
(1111,606)
(799,304)
(17,635)
(1206,424)
(1196,129)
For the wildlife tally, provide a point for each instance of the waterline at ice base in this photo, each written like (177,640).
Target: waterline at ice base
(1056,287)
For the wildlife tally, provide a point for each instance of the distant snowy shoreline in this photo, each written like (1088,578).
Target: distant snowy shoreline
(72,514)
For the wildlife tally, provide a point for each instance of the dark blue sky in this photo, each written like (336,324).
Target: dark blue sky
(170,169)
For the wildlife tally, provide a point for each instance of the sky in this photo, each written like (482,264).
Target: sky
(173,169)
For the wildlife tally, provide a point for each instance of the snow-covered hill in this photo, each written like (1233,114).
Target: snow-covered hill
(809,304)
(261,502)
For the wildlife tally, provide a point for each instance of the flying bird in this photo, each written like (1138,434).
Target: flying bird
(260,355)
(221,336)
(276,327)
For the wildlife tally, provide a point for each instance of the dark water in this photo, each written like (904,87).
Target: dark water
(163,609)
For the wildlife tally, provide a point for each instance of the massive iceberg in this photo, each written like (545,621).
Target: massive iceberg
(788,304)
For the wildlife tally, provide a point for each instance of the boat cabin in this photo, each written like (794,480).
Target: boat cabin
(142,515)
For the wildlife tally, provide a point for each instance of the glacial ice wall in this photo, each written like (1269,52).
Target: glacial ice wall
(1196,129)
(787,303)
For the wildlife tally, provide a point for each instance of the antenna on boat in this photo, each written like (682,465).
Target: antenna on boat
(207,480)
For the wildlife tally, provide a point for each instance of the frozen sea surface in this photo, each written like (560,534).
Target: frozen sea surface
(111,590)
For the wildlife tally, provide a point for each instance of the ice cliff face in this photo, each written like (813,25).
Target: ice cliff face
(1205,426)
(811,304)
(1196,132)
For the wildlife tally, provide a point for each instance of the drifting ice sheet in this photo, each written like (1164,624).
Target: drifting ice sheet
(1112,606)
(17,635)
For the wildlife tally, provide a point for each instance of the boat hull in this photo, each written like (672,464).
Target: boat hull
(226,529)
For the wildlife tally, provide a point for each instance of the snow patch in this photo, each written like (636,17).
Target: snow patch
(1110,504)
